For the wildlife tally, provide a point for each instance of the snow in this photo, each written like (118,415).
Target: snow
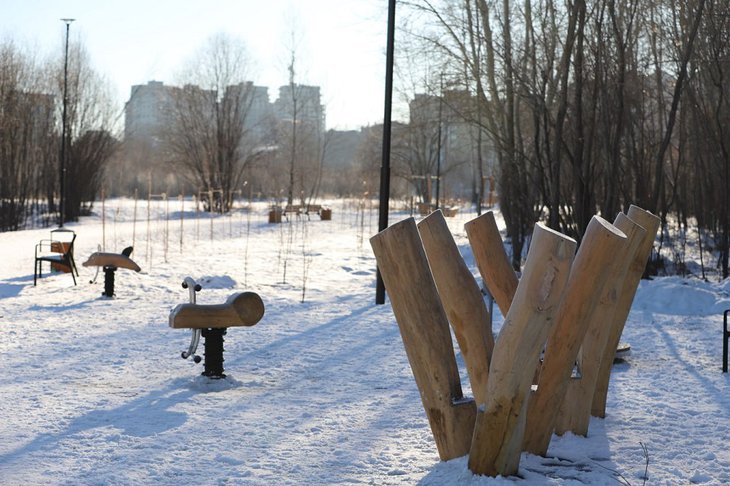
(94,391)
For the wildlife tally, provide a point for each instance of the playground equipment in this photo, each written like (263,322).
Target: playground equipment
(570,306)
(212,322)
(110,262)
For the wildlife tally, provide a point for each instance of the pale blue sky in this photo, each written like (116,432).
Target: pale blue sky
(131,42)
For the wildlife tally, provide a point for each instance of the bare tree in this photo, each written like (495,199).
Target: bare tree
(90,124)
(26,134)
(211,136)
(707,133)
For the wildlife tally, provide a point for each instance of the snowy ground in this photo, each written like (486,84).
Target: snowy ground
(94,391)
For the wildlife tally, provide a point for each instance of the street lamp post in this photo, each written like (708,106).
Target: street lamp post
(385,167)
(62,202)
(438,154)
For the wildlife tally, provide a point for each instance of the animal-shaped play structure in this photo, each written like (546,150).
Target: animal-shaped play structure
(111,262)
(212,322)
(573,305)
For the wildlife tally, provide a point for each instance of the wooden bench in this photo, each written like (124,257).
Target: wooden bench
(297,210)
(325,213)
(294,209)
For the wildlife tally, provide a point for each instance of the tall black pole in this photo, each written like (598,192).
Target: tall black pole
(438,154)
(385,167)
(62,201)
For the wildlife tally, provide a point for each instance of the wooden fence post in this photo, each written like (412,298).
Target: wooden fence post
(103,219)
(134,220)
(499,429)
(462,300)
(426,336)
(588,276)
(491,259)
(650,223)
(575,412)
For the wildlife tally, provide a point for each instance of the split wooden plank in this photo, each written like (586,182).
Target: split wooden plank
(492,260)
(588,276)
(498,432)
(100,259)
(650,223)
(426,337)
(575,412)
(462,300)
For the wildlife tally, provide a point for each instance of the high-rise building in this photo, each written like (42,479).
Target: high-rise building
(255,109)
(150,107)
(301,102)
(147,112)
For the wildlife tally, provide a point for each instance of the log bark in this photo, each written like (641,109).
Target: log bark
(462,300)
(491,258)
(426,337)
(650,223)
(575,412)
(589,274)
(498,432)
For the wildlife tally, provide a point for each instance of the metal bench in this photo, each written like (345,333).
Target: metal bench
(59,253)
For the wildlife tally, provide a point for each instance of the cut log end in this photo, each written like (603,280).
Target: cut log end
(609,227)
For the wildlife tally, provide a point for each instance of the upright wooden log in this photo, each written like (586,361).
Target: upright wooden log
(426,336)
(575,412)
(462,300)
(498,432)
(650,223)
(590,271)
(492,260)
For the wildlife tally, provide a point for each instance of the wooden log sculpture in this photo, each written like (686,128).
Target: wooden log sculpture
(426,337)
(499,429)
(575,412)
(491,259)
(110,262)
(588,276)
(212,321)
(650,223)
(462,300)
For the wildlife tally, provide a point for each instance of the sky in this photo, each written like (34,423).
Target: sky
(341,43)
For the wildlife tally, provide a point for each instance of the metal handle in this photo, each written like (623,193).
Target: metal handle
(192,287)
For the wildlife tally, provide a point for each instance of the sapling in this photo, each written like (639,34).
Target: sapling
(306,258)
